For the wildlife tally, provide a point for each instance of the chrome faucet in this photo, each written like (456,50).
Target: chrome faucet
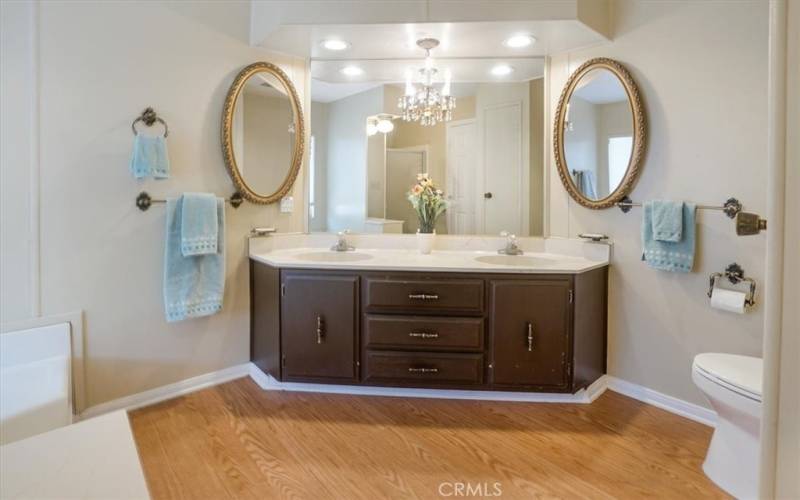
(341,244)
(511,247)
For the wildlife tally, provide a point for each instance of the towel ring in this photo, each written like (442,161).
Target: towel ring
(149,117)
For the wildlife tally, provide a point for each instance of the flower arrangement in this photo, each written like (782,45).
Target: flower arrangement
(428,201)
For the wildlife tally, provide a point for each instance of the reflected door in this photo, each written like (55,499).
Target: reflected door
(461,190)
(503,175)
(402,167)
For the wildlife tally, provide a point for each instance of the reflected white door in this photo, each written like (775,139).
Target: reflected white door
(460,187)
(402,167)
(503,176)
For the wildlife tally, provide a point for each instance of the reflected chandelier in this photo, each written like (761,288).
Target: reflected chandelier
(424,103)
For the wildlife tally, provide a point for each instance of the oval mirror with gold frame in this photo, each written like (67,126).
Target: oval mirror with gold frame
(263,133)
(599,134)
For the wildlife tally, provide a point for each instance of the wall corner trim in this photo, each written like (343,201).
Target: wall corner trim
(169,391)
(660,400)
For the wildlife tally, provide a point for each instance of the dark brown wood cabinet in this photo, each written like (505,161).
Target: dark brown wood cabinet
(319,325)
(518,332)
(529,326)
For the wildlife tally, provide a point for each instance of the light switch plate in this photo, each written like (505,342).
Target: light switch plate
(287,204)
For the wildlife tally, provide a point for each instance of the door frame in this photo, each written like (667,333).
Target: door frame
(447,185)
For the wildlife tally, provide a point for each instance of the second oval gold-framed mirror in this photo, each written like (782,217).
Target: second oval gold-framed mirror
(263,133)
(599,134)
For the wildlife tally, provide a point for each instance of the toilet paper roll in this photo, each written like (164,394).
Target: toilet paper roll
(728,300)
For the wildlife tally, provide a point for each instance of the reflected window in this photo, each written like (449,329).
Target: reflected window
(619,153)
(312,170)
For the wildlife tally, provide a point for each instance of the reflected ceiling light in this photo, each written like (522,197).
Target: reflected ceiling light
(519,41)
(352,71)
(385,126)
(502,70)
(425,103)
(372,127)
(335,44)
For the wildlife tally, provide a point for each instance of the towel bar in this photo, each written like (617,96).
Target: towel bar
(731,207)
(144,200)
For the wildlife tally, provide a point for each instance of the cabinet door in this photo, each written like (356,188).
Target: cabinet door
(318,326)
(530,332)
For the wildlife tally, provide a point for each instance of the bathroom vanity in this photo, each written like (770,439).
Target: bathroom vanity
(450,320)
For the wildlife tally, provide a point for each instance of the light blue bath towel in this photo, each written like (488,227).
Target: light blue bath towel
(584,181)
(667,220)
(199,224)
(675,256)
(149,157)
(194,285)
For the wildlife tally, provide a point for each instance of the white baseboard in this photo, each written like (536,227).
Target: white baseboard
(266,382)
(587,395)
(663,401)
(169,391)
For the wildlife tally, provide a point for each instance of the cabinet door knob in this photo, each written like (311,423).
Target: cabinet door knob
(320,330)
(530,337)
(488,196)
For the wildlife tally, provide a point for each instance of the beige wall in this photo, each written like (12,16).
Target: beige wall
(537,113)
(704,90)
(100,65)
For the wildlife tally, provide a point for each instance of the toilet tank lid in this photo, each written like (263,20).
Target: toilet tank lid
(743,372)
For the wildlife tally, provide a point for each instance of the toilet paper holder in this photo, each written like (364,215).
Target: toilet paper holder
(735,275)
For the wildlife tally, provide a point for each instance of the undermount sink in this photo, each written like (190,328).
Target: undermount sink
(333,256)
(514,260)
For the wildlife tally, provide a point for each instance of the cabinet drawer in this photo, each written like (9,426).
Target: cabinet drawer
(441,368)
(393,294)
(423,332)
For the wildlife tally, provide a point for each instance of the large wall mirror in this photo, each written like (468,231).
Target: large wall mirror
(484,147)
(263,133)
(599,134)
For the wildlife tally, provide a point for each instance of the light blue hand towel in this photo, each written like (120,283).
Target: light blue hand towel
(584,181)
(199,226)
(149,157)
(667,220)
(193,286)
(669,256)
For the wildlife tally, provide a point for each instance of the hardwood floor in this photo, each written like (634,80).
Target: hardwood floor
(237,441)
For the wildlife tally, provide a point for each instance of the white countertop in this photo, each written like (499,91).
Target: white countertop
(411,260)
(95,458)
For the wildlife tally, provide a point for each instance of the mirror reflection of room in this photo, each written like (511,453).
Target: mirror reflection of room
(485,154)
(263,132)
(598,134)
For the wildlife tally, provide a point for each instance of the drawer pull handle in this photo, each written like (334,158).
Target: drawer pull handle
(423,370)
(530,337)
(424,335)
(423,296)
(320,330)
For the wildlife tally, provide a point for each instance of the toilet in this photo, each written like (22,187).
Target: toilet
(732,384)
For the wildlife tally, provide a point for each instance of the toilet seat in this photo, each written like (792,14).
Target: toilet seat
(739,374)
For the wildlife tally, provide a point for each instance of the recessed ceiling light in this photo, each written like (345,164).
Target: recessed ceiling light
(335,44)
(352,71)
(502,70)
(519,41)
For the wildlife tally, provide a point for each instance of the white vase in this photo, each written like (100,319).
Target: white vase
(425,242)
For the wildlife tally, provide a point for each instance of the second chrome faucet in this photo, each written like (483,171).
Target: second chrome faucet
(511,247)
(341,244)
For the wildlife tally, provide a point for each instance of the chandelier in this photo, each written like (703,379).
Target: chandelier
(423,102)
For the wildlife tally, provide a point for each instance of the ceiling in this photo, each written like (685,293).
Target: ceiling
(457,39)
(328,83)
(600,87)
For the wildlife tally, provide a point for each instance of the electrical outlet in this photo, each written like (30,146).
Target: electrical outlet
(287,204)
